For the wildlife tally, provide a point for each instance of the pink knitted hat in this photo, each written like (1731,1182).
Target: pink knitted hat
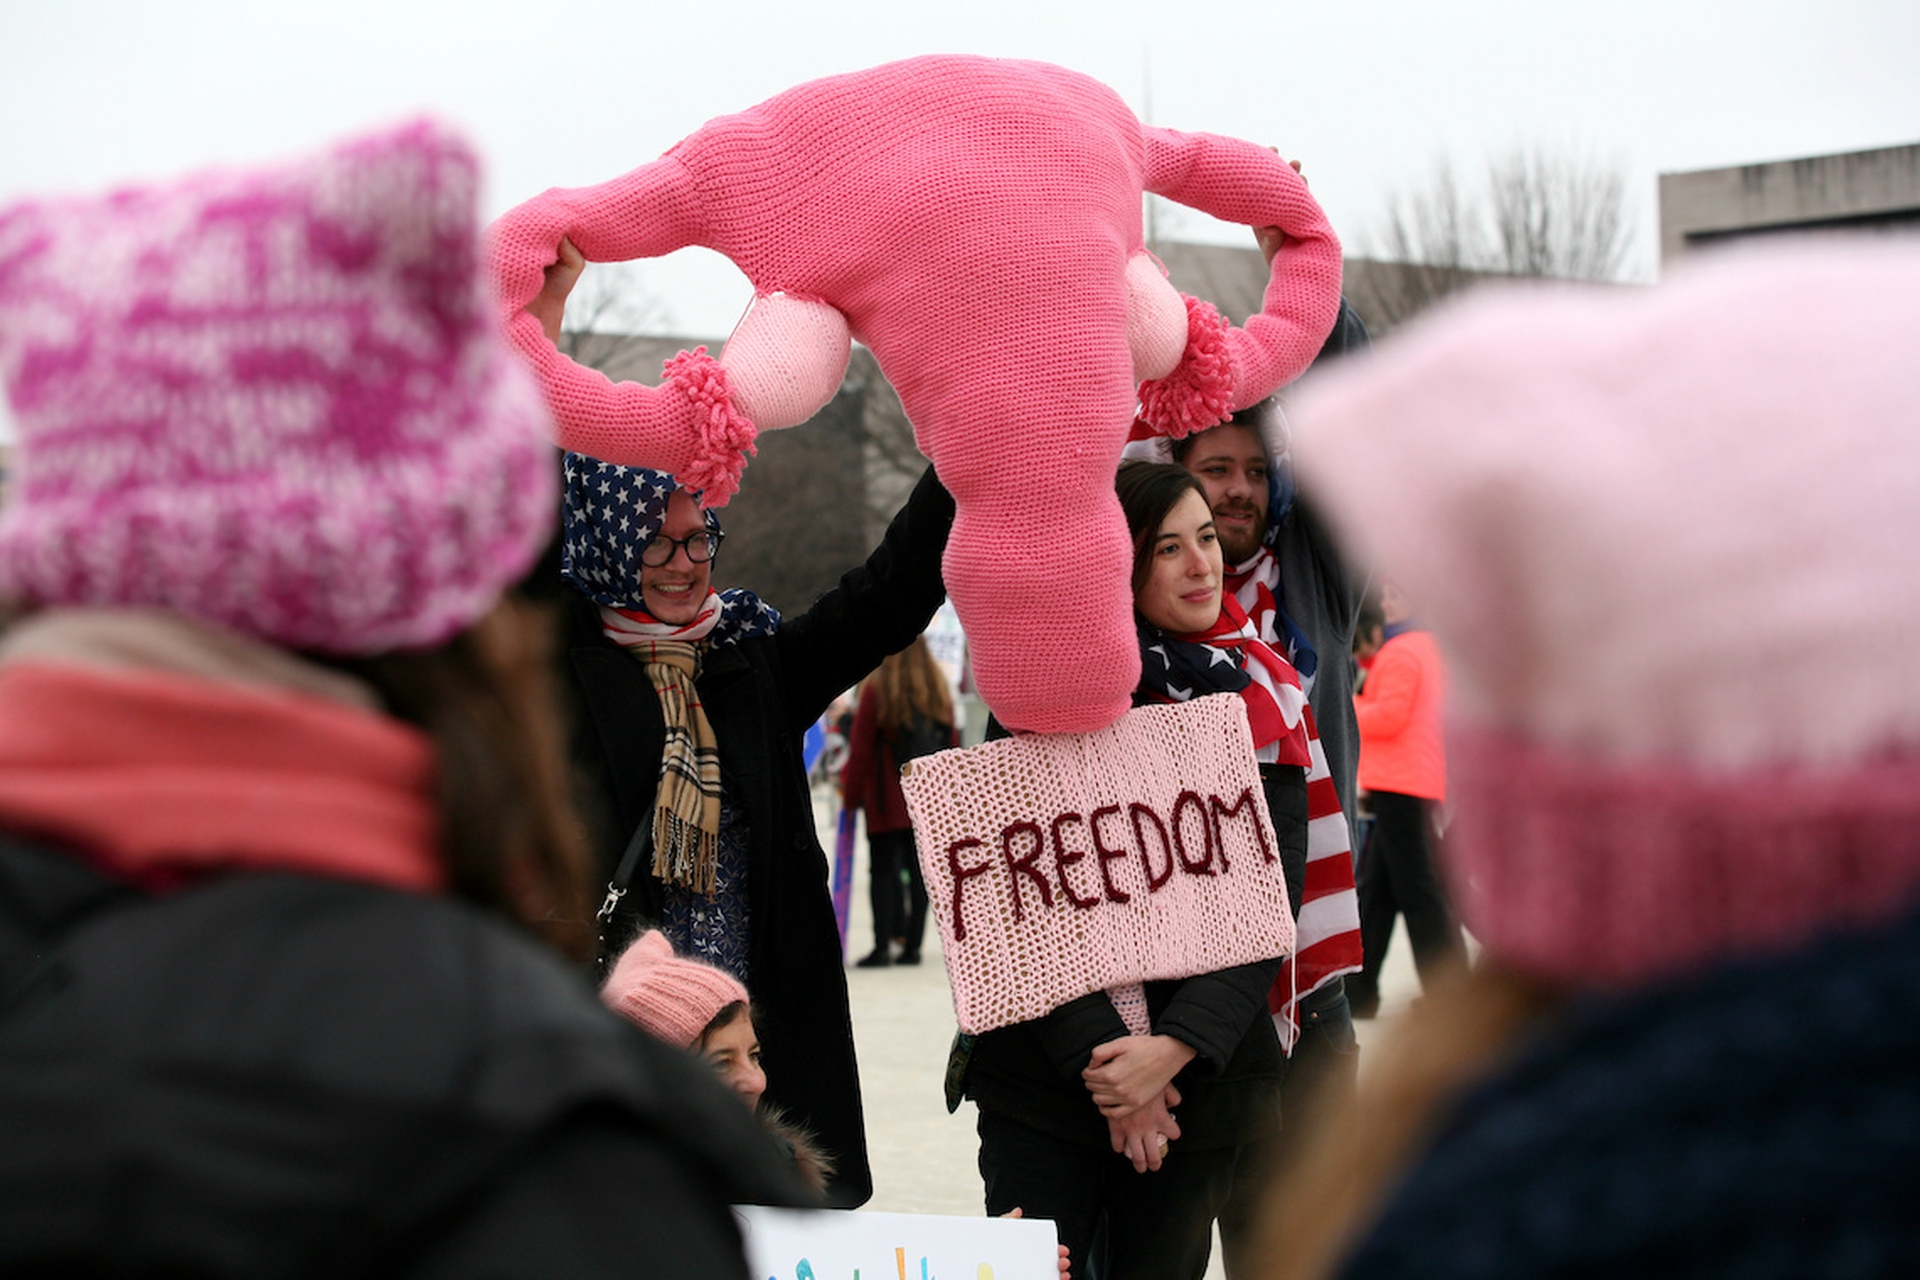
(668,996)
(272,399)
(1672,540)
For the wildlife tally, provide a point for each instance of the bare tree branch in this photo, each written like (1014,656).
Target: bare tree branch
(1542,212)
(607,306)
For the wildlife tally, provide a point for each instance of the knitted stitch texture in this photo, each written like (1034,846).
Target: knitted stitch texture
(670,997)
(1670,542)
(271,399)
(976,223)
(1062,864)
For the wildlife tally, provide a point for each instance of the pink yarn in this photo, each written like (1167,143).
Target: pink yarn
(271,399)
(670,997)
(1670,542)
(725,435)
(1600,873)
(1199,393)
(1211,897)
(973,220)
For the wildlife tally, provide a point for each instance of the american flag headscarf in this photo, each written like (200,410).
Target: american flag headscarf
(610,513)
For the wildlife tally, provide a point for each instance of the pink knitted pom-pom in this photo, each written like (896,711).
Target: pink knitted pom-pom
(726,434)
(1199,392)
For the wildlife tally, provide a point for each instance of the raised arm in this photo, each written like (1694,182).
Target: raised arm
(878,607)
(690,424)
(1239,182)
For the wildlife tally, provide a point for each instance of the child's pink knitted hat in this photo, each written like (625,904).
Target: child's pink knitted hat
(1671,538)
(272,399)
(669,997)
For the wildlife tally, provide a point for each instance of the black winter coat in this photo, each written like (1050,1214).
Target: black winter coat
(278,1075)
(760,696)
(1030,1071)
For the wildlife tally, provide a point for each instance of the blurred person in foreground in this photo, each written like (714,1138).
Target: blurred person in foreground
(289,887)
(1671,540)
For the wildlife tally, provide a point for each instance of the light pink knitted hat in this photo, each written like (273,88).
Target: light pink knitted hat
(1671,539)
(275,400)
(670,997)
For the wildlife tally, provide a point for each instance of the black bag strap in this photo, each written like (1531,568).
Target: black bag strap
(639,848)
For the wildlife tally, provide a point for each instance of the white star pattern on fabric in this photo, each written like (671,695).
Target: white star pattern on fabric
(610,515)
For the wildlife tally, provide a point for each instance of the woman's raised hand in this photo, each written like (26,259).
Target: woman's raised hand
(550,304)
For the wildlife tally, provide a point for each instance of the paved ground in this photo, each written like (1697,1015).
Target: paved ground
(923,1158)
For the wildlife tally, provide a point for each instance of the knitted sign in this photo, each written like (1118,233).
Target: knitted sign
(976,223)
(1061,864)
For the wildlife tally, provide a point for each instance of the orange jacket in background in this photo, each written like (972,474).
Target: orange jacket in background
(1401,748)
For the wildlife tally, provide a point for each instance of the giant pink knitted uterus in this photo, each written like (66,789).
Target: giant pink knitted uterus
(977,224)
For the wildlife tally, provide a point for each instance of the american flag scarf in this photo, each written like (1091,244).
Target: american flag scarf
(1327,927)
(1326,935)
(1254,584)
(1229,657)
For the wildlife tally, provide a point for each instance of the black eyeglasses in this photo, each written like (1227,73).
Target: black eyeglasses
(700,548)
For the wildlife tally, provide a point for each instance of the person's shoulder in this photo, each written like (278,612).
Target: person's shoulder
(1417,644)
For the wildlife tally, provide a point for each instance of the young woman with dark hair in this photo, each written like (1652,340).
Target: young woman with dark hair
(1131,1143)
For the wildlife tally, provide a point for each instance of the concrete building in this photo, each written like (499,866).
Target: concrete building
(1852,193)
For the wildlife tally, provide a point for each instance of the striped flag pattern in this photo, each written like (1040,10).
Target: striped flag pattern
(1327,934)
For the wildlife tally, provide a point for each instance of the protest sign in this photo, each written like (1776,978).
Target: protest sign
(834,1244)
(1060,864)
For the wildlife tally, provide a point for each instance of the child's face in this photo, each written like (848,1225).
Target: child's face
(733,1050)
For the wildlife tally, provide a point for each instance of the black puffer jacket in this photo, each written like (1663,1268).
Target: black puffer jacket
(760,696)
(278,1075)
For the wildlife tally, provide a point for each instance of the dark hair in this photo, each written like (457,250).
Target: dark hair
(728,1012)
(1369,615)
(1148,490)
(1249,417)
(509,835)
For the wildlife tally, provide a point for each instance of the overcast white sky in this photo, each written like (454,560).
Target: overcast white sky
(565,92)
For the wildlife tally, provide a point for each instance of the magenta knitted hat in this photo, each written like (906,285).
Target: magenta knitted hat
(668,996)
(1671,540)
(272,399)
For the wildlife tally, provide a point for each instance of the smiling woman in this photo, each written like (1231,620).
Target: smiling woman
(676,565)
(1177,588)
(1130,1141)
(689,706)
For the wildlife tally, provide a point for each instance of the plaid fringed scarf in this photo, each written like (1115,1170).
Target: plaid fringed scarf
(686,803)
(611,513)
